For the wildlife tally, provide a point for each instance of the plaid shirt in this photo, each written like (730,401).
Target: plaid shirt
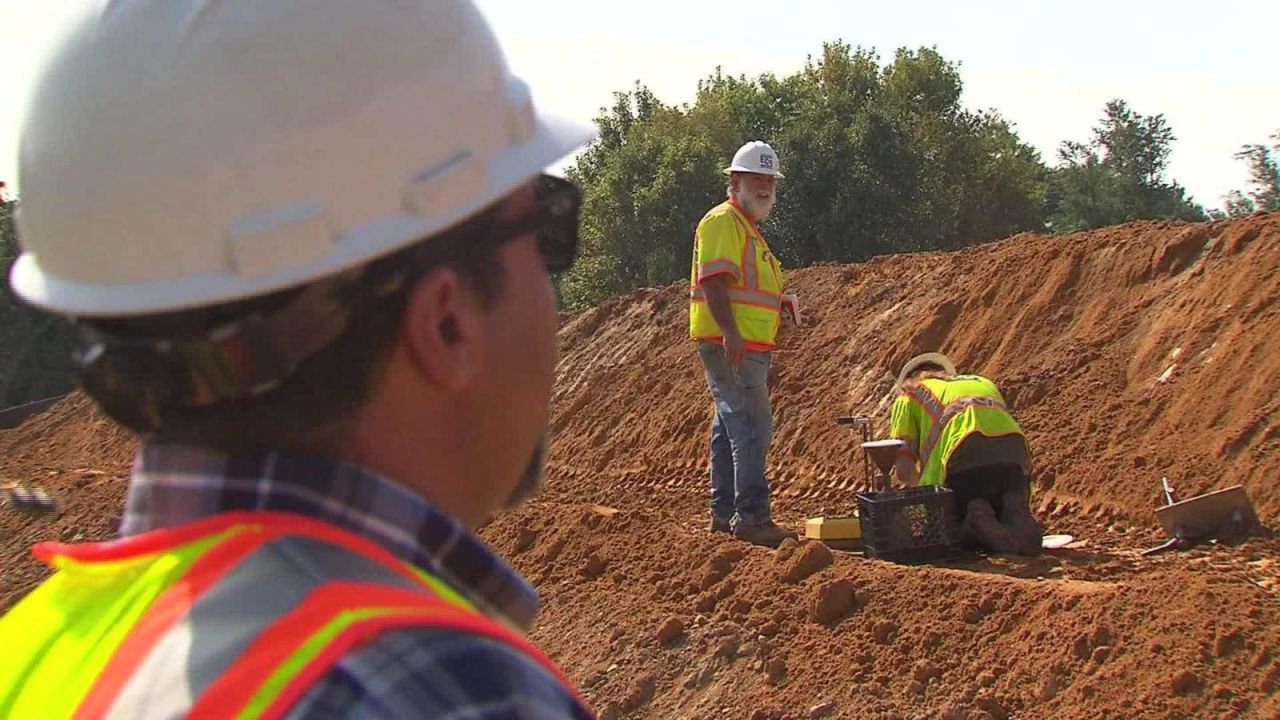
(406,673)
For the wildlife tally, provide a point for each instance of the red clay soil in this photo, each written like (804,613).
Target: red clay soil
(1128,353)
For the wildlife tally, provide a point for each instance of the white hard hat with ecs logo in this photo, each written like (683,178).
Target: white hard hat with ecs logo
(756,157)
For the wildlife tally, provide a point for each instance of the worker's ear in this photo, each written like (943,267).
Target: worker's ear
(442,330)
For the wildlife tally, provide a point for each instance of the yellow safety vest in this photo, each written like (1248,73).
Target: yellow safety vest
(935,416)
(199,620)
(728,242)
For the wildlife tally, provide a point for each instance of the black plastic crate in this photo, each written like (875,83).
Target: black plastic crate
(908,525)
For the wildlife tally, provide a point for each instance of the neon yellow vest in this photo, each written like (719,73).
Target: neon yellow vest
(948,411)
(205,620)
(756,294)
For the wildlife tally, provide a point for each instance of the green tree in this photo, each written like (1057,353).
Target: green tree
(1119,175)
(1264,181)
(878,159)
(35,348)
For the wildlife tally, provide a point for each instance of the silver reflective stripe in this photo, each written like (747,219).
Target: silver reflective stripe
(743,295)
(926,399)
(939,423)
(750,269)
(269,583)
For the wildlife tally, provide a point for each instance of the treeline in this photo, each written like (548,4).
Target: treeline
(35,348)
(879,158)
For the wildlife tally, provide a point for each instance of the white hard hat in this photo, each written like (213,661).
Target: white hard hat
(756,157)
(183,153)
(930,358)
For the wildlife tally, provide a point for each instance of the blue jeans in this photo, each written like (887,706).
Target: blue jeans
(740,435)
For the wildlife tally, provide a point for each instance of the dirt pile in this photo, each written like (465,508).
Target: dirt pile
(1128,354)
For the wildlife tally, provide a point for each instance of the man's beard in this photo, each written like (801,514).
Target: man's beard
(531,478)
(756,207)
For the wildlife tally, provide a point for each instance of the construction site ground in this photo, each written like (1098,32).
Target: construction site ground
(1128,354)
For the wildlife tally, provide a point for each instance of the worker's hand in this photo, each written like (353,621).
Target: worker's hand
(735,349)
(791,308)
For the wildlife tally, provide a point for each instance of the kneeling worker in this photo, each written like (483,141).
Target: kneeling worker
(959,433)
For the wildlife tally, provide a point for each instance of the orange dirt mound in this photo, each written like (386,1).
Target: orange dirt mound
(1128,353)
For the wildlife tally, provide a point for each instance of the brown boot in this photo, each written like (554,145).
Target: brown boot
(768,534)
(980,523)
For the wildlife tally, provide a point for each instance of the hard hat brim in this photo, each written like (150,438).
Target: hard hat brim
(553,139)
(931,358)
(739,168)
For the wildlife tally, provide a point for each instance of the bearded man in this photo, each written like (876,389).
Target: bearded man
(736,306)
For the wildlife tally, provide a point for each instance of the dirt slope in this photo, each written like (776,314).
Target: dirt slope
(1128,353)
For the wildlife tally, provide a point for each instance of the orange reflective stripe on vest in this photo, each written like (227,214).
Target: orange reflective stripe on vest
(940,424)
(352,613)
(221,640)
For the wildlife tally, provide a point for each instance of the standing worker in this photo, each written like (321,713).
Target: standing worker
(306,244)
(736,303)
(958,432)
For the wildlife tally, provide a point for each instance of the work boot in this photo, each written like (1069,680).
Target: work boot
(719,526)
(981,524)
(768,534)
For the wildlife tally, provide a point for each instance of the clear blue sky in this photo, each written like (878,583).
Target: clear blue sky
(1210,68)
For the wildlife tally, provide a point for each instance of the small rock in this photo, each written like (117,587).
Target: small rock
(925,671)
(821,711)
(992,707)
(862,597)
(1222,692)
(525,537)
(1156,647)
(971,614)
(1100,654)
(594,567)
(641,693)
(1260,660)
(1184,683)
(988,604)
(612,711)
(1081,647)
(884,631)
(952,712)
(770,629)
(776,670)
(1048,689)
(915,688)
(832,601)
(812,557)
(1102,635)
(705,604)
(785,550)
(617,634)
(728,648)
(1270,681)
(987,679)
(766,714)
(709,579)
(1228,644)
(740,607)
(672,629)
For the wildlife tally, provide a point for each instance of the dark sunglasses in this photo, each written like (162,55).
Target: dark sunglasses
(553,219)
